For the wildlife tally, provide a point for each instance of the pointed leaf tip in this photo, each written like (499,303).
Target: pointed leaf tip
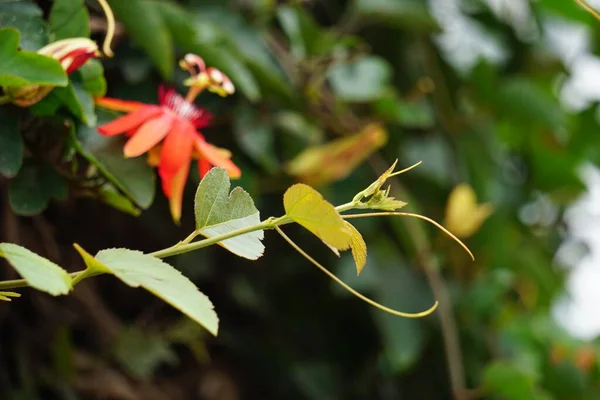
(39,272)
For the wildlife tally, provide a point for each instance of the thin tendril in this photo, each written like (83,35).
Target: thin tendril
(348,288)
(405,169)
(405,214)
(588,8)
(110,28)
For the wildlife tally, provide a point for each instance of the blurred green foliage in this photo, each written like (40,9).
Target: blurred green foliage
(307,73)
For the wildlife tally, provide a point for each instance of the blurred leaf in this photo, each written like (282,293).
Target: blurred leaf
(523,100)
(185,34)
(137,269)
(508,382)
(335,160)
(144,23)
(25,16)
(69,19)
(39,272)
(30,192)
(413,14)
(463,215)
(306,206)
(142,354)
(11,144)
(78,101)
(255,136)
(109,195)
(566,381)
(362,80)
(92,76)
(131,175)
(410,114)
(217,214)
(22,68)
(306,38)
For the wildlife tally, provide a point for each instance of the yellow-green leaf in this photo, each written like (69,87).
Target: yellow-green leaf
(463,215)
(359,248)
(338,158)
(307,207)
(6,296)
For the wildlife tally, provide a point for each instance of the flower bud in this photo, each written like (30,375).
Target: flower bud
(71,53)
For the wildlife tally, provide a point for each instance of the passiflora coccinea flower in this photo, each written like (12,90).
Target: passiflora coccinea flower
(169,133)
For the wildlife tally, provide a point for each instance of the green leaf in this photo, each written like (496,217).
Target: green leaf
(508,382)
(11,144)
(305,36)
(78,101)
(142,354)
(91,75)
(137,269)
(409,114)
(131,175)
(69,19)
(412,14)
(144,23)
(307,207)
(108,194)
(256,137)
(32,189)
(40,273)
(218,211)
(22,68)
(362,80)
(27,18)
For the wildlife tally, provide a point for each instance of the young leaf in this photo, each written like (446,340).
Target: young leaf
(6,296)
(218,212)
(22,68)
(138,269)
(39,272)
(359,248)
(307,207)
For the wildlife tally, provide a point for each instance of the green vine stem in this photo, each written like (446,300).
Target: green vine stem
(188,245)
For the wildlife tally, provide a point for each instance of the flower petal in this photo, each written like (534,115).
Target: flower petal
(177,147)
(177,187)
(148,135)
(203,167)
(130,121)
(214,157)
(118,104)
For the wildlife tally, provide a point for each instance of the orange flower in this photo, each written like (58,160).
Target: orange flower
(168,132)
